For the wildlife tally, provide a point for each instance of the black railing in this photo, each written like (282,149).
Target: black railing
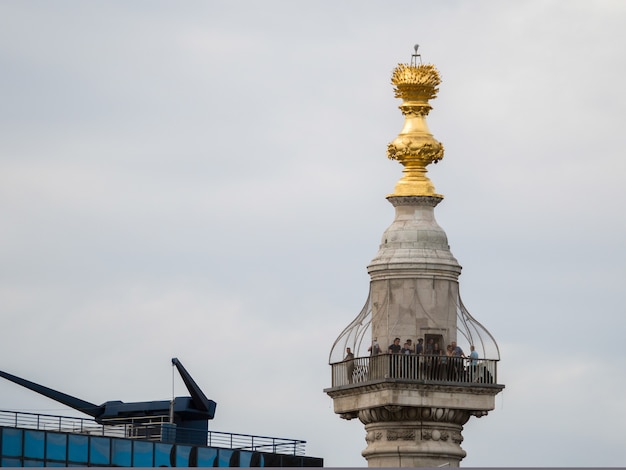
(418,368)
(158,429)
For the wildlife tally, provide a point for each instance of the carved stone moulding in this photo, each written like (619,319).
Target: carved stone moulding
(442,435)
(373,436)
(414,434)
(412,413)
(401,434)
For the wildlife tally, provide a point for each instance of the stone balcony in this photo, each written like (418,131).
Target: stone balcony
(396,380)
(414,368)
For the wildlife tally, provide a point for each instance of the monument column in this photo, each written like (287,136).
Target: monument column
(414,404)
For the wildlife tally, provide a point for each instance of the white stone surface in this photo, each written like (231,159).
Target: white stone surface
(414,292)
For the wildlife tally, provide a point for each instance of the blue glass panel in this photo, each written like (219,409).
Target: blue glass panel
(162,455)
(55,464)
(77,448)
(11,463)
(182,456)
(142,454)
(56,446)
(120,455)
(34,444)
(11,443)
(206,456)
(223,457)
(33,463)
(245,458)
(99,450)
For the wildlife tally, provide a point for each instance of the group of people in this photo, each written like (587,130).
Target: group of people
(435,363)
(431,348)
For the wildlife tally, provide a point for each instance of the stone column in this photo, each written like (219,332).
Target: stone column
(411,424)
(414,276)
(401,436)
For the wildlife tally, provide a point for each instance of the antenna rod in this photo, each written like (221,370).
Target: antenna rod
(415,56)
(172,401)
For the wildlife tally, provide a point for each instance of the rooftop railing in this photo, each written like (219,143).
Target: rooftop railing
(158,429)
(415,368)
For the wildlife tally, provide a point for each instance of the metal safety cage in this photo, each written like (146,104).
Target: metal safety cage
(474,333)
(358,337)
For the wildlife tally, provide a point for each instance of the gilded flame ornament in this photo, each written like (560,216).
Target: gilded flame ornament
(415,147)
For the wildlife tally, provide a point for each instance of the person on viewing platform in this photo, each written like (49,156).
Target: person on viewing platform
(406,351)
(395,347)
(456,350)
(443,365)
(473,356)
(449,361)
(457,361)
(473,365)
(349,359)
(429,346)
(394,362)
(349,355)
(433,360)
(374,349)
(419,362)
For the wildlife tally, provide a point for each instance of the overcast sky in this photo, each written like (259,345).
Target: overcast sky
(207,180)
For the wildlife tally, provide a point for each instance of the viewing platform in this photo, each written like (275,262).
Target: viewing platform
(423,369)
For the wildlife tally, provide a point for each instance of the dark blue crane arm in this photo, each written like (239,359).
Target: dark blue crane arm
(68,400)
(198,397)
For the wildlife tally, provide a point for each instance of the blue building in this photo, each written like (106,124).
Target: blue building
(36,440)
(161,433)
